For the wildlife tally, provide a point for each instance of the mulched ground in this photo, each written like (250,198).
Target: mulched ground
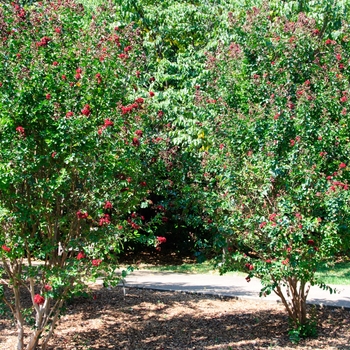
(158,320)
(147,319)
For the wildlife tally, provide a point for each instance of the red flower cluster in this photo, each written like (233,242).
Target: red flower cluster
(81,255)
(86,110)
(135,141)
(106,124)
(338,184)
(6,248)
(161,240)
(99,78)
(96,262)
(272,217)
(43,41)
(82,215)
(342,165)
(250,267)
(108,205)
(69,114)
(47,287)
(139,133)
(263,224)
(20,129)
(38,299)
(105,220)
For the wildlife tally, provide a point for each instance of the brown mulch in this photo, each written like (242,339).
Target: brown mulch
(148,319)
(160,320)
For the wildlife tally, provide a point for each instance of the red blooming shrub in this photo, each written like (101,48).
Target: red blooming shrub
(60,82)
(286,143)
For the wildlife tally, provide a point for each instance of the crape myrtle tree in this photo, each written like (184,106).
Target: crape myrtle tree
(74,161)
(276,166)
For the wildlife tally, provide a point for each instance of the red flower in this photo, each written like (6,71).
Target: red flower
(338,56)
(139,100)
(135,141)
(135,226)
(108,205)
(106,219)
(43,41)
(139,133)
(55,63)
(47,287)
(53,154)
(108,122)
(77,76)
(160,114)
(151,93)
(48,96)
(86,110)
(79,70)
(20,129)
(342,165)
(249,266)
(58,30)
(272,217)
(96,262)
(38,299)
(6,248)
(285,262)
(81,255)
(268,261)
(263,224)
(328,42)
(292,142)
(69,114)
(311,242)
(143,183)
(343,99)
(161,240)
(82,215)
(247,279)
